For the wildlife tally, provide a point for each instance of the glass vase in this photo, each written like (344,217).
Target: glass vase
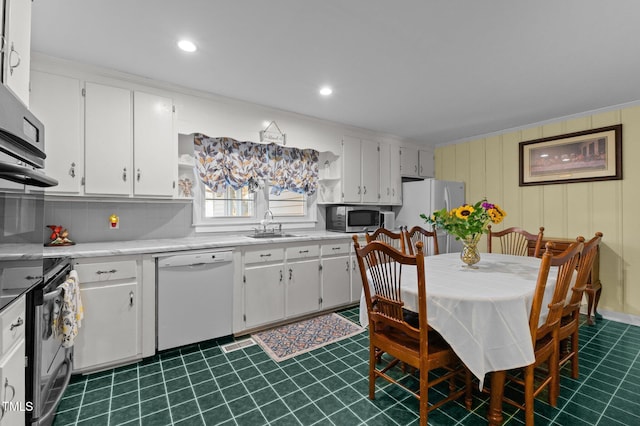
(469,254)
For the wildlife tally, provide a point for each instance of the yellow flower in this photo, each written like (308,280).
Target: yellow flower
(463,212)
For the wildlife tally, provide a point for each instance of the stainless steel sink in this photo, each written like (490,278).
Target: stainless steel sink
(271,235)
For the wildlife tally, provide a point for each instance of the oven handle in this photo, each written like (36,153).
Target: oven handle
(52,294)
(25,175)
(67,378)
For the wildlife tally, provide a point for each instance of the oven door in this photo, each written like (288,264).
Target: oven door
(52,363)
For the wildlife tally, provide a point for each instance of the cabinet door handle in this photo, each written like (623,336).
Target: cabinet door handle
(112,271)
(290,274)
(415,168)
(11,66)
(365,189)
(335,248)
(347,266)
(124,174)
(421,169)
(265,255)
(130,298)
(13,390)
(303,251)
(138,175)
(72,170)
(359,190)
(280,275)
(393,192)
(16,324)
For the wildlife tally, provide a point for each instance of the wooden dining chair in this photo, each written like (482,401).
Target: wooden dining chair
(429,240)
(394,239)
(382,268)
(570,322)
(544,336)
(516,241)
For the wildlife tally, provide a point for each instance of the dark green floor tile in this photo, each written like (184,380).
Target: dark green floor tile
(205,388)
(329,405)
(304,379)
(241,405)
(229,379)
(178,397)
(200,376)
(251,418)
(125,387)
(96,395)
(93,410)
(150,380)
(217,415)
(154,405)
(290,420)
(95,421)
(195,420)
(211,400)
(274,410)
(628,406)
(285,387)
(264,396)
(174,373)
(69,403)
(234,392)
(308,415)
(364,409)
(124,415)
(255,383)
(152,392)
(124,400)
(344,417)
(184,410)
(296,400)
(160,418)
(65,418)
(177,384)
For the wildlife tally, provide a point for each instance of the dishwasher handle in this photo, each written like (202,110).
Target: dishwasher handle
(195,259)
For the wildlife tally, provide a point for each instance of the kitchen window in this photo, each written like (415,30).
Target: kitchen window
(231,203)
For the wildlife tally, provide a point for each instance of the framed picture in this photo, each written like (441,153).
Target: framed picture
(586,156)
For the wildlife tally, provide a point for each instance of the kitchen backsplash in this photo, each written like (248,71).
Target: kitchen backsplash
(88,221)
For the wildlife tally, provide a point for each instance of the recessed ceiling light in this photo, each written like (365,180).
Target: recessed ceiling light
(326,91)
(187,46)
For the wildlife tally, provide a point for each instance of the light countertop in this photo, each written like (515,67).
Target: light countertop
(119,248)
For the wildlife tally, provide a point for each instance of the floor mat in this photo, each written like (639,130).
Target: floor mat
(294,339)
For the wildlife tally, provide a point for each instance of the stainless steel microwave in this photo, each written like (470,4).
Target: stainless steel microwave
(352,218)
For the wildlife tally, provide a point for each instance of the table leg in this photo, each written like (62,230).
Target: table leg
(495,403)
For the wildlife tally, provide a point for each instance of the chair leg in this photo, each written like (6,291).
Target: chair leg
(424,397)
(590,300)
(372,373)
(554,372)
(529,372)
(468,398)
(574,358)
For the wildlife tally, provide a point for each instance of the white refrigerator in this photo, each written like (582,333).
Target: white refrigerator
(426,196)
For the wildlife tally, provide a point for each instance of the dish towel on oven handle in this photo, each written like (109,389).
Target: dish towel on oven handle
(68,311)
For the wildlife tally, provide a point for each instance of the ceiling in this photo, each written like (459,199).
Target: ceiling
(431,71)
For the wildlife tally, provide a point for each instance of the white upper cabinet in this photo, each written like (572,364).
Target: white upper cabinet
(57,102)
(130,147)
(108,140)
(155,148)
(17,47)
(360,171)
(416,163)
(390,180)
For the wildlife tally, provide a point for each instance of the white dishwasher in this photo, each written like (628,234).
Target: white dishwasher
(194,297)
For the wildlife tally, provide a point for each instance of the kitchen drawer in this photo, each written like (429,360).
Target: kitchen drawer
(12,324)
(302,252)
(106,271)
(266,255)
(336,248)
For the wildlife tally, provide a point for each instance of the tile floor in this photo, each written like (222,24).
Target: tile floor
(200,385)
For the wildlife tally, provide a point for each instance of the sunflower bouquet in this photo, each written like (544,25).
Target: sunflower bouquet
(466,221)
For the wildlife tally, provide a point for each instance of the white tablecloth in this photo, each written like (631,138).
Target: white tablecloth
(483,313)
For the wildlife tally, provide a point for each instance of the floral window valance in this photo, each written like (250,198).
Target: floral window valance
(223,162)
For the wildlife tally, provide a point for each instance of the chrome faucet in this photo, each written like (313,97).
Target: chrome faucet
(270,214)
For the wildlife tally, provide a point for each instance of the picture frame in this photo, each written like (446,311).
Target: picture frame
(587,156)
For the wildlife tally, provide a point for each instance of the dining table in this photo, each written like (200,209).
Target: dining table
(482,312)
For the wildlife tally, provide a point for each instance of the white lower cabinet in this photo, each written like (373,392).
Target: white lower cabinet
(264,294)
(336,275)
(111,331)
(356,279)
(303,287)
(263,282)
(12,381)
(12,364)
